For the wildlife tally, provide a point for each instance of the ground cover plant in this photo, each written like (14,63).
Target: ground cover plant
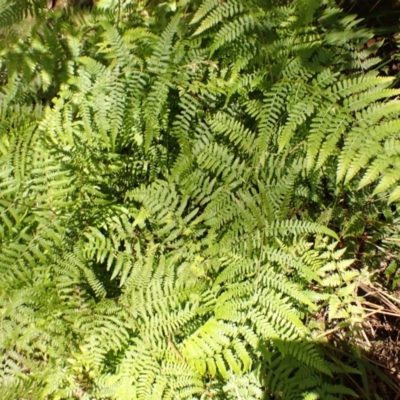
(194,196)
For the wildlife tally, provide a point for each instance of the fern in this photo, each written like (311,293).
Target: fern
(171,182)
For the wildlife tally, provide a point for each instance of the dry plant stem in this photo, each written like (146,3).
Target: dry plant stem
(379,295)
(366,338)
(326,333)
(174,349)
(375,362)
(382,311)
(391,297)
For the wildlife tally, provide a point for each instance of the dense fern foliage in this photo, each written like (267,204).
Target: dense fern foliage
(183,187)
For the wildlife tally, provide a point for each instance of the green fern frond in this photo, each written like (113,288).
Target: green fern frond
(203,10)
(162,169)
(224,10)
(232,31)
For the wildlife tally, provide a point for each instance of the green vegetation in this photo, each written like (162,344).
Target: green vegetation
(190,194)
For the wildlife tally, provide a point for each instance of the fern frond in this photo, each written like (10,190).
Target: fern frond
(232,31)
(226,9)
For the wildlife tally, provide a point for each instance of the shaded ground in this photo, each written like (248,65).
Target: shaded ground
(382,338)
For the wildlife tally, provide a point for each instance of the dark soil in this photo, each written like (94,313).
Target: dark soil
(382,339)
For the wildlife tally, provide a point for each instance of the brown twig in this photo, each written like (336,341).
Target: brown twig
(174,349)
